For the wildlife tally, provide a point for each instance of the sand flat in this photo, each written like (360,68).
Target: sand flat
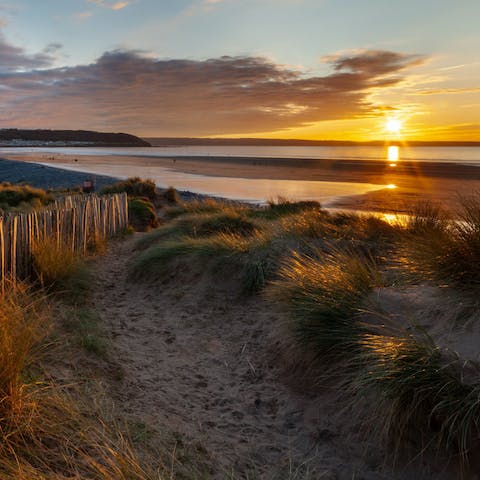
(414,181)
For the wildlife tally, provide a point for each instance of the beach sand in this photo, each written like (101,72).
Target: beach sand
(413,181)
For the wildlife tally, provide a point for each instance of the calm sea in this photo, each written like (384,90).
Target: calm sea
(463,155)
(253,190)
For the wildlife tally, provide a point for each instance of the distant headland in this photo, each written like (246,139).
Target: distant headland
(275,142)
(13,137)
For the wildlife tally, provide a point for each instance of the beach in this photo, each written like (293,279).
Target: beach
(367,185)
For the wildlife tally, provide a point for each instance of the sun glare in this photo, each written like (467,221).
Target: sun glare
(393,125)
(393,153)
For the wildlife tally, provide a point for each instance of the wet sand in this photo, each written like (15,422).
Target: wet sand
(414,181)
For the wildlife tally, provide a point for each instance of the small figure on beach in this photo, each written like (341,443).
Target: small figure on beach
(88,185)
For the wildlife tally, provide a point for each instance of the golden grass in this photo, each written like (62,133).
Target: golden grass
(53,262)
(44,432)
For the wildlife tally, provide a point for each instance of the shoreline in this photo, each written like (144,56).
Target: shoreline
(414,181)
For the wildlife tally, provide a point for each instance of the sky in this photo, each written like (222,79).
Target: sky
(311,69)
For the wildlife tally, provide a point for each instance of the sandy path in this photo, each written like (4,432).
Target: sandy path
(196,364)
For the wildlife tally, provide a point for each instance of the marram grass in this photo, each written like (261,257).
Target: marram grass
(419,392)
(324,292)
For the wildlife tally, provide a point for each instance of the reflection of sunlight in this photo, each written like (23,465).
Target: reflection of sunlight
(395,219)
(390,218)
(393,153)
(391,186)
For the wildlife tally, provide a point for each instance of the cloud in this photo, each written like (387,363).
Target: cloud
(448,91)
(82,16)
(125,90)
(14,58)
(113,5)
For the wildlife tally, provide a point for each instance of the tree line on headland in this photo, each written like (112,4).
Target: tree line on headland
(78,138)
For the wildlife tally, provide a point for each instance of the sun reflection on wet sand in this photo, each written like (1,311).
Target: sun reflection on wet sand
(393,154)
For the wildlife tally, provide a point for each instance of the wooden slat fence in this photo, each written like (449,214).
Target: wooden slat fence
(75,222)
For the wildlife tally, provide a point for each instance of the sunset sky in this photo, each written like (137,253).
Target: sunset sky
(314,69)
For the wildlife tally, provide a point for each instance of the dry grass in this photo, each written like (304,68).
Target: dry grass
(52,262)
(447,250)
(44,432)
(201,207)
(418,393)
(324,292)
(22,196)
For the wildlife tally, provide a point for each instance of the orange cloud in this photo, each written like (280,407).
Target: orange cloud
(124,90)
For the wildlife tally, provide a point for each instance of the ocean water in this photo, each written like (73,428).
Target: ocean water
(461,155)
(253,190)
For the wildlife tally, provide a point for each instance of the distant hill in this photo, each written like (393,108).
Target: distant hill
(273,142)
(13,137)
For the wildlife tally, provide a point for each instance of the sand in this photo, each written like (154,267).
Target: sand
(205,365)
(414,181)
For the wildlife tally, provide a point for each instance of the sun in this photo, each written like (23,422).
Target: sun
(393,125)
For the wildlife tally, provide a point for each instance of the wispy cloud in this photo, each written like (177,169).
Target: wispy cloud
(448,91)
(82,16)
(113,5)
(13,59)
(124,90)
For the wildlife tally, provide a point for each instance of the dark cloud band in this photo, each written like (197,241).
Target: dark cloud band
(125,90)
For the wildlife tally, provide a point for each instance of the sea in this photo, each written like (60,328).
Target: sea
(256,190)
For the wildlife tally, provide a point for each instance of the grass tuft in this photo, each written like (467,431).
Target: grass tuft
(419,391)
(134,187)
(14,196)
(447,250)
(282,207)
(324,292)
(54,263)
(201,207)
(141,213)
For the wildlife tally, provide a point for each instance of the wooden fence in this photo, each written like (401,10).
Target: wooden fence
(75,222)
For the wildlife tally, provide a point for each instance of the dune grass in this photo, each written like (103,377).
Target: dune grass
(194,225)
(324,293)
(248,254)
(447,250)
(18,196)
(201,207)
(134,187)
(420,394)
(253,240)
(54,263)
(281,207)
(141,214)
(44,432)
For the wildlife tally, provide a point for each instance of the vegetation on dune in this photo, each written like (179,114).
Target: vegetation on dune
(255,239)
(54,263)
(419,392)
(22,196)
(141,214)
(282,207)
(45,433)
(448,250)
(171,195)
(322,267)
(324,292)
(200,226)
(201,207)
(134,187)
